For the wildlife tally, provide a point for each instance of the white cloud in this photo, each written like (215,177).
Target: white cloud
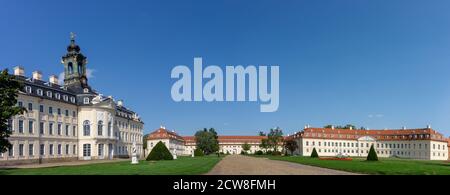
(89,75)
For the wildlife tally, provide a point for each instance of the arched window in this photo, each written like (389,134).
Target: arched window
(80,70)
(100,128)
(86,128)
(70,67)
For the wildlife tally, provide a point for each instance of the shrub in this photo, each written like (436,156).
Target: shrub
(269,152)
(198,152)
(372,154)
(259,152)
(314,153)
(160,152)
(276,153)
(243,152)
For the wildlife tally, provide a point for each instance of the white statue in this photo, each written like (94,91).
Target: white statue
(174,153)
(193,154)
(134,159)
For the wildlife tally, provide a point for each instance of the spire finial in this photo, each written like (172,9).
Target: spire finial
(72,36)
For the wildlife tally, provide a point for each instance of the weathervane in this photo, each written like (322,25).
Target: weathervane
(72,36)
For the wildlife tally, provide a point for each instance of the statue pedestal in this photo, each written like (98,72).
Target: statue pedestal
(134,160)
(174,157)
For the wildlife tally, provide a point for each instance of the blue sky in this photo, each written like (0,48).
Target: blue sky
(378,64)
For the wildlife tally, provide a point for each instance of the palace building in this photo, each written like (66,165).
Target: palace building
(71,121)
(422,143)
(185,145)
(426,143)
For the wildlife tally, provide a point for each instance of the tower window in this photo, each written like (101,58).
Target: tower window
(70,68)
(86,100)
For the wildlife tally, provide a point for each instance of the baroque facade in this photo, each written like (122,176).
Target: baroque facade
(69,121)
(185,145)
(421,143)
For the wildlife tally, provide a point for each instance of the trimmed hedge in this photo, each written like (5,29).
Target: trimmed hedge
(314,154)
(372,154)
(160,152)
(259,152)
(198,152)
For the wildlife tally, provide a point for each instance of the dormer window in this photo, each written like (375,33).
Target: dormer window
(28,89)
(49,94)
(86,100)
(57,96)
(72,99)
(66,98)
(39,92)
(86,90)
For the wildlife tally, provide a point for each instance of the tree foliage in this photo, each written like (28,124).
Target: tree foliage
(198,152)
(372,154)
(207,140)
(246,147)
(291,146)
(9,88)
(275,138)
(160,152)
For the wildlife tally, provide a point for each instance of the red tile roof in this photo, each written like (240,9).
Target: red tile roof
(163,133)
(349,134)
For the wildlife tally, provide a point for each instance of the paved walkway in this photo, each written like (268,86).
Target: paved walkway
(245,165)
(71,163)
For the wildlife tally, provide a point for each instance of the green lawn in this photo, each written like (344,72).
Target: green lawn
(386,166)
(181,166)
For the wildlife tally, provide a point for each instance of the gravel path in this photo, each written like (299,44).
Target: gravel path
(245,165)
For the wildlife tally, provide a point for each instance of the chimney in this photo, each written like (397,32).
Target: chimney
(332,126)
(37,75)
(404,128)
(428,126)
(120,103)
(53,79)
(351,128)
(19,71)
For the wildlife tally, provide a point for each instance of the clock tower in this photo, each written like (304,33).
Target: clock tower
(74,67)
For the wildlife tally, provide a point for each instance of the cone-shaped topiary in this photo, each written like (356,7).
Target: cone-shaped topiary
(314,153)
(198,152)
(372,155)
(160,152)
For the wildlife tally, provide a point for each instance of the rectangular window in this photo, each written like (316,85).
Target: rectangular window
(11,151)
(59,129)
(67,130)
(20,149)
(73,114)
(67,149)
(74,131)
(30,149)
(42,150)
(50,128)
(100,150)
(67,112)
(20,104)
(59,111)
(10,125)
(30,127)
(74,149)
(30,107)
(41,108)
(50,110)
(50,149)
(86,150)
(59,149)
(41,128)
(20,126)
